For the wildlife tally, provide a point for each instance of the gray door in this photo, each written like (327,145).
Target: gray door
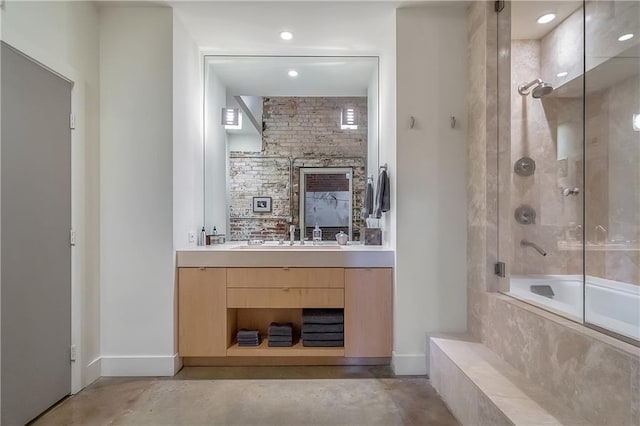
(36,255)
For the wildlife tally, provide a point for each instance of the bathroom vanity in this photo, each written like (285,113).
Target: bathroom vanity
(222,289)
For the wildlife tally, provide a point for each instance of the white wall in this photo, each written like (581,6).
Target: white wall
(136,168)
(373,120)
(216,211)
(387,136)
(187,136)
(431,169)
(244,142)
(64,37)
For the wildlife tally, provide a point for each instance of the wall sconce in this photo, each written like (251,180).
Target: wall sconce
(231,118)
(349,118)
(636,122)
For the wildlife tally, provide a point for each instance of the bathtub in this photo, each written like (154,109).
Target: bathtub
(611,305)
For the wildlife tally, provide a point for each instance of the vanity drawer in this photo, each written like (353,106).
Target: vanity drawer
(285,277)
(285,298)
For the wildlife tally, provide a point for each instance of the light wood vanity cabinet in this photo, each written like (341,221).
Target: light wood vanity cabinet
(285,288)
(202,311)
(214,302)
(368,312)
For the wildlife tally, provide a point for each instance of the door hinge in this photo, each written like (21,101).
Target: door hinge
(72,238)
(72,121)
(73,353)
(499,5)
(500,269)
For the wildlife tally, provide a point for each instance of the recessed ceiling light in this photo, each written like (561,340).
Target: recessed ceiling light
(625,37)
(546,18)
(562,74)
(286,35)
(293,73)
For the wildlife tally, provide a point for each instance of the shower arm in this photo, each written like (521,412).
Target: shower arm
(523,89)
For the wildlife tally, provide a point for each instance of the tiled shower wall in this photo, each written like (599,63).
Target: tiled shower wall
(534,133)
(305,132)
(597,376)
(550,131)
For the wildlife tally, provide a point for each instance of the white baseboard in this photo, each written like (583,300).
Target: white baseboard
(409,364)
(143,365)
(92,372)
(177,364)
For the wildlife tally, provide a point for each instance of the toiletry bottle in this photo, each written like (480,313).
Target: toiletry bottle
(215,231)
(203,237)
(317,234)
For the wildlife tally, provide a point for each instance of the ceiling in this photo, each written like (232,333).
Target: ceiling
(328,76)
(525,13)
(319,27)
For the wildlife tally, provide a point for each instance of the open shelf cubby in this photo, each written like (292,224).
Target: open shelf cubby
(260,319)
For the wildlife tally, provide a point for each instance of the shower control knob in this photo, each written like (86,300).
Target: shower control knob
(525,166)
(525,215)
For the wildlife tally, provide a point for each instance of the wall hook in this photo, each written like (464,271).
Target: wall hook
(413,122)
(453,122)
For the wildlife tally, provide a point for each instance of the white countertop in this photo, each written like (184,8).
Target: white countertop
(239,254)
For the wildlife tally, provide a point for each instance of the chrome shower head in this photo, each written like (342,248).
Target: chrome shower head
(541,88)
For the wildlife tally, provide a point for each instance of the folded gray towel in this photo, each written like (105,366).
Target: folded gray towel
(280,338)
(322,336)
(322,316)
(383,195)
(280,344)
(248,333)
(323,343)
(367,205)
(323,328)
(280,329)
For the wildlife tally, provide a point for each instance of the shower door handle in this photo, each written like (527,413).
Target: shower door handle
(570,191)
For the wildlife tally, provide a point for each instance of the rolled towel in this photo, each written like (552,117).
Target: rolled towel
(323,328)
(280,344)
(322,316)
(322,336)
(323,343)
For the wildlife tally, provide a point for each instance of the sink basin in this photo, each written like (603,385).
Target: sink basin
(288,247)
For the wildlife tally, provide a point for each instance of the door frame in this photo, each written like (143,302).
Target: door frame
(79,376)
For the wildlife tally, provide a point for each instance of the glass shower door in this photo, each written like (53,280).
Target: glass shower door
(541,158)
(612,168)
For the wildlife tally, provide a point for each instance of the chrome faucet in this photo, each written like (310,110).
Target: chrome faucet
(292,234)
(600,230)
(527,243)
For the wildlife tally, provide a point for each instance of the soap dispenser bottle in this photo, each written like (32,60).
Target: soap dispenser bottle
(203,237)
(317,235)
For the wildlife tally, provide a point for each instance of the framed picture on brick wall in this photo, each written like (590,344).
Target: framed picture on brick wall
(262,204)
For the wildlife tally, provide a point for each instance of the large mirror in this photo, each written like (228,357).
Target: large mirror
(288,140)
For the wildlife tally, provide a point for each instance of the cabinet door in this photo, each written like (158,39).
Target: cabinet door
(202,311)
(368,312)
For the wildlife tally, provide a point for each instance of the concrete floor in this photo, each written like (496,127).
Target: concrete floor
(257,396)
